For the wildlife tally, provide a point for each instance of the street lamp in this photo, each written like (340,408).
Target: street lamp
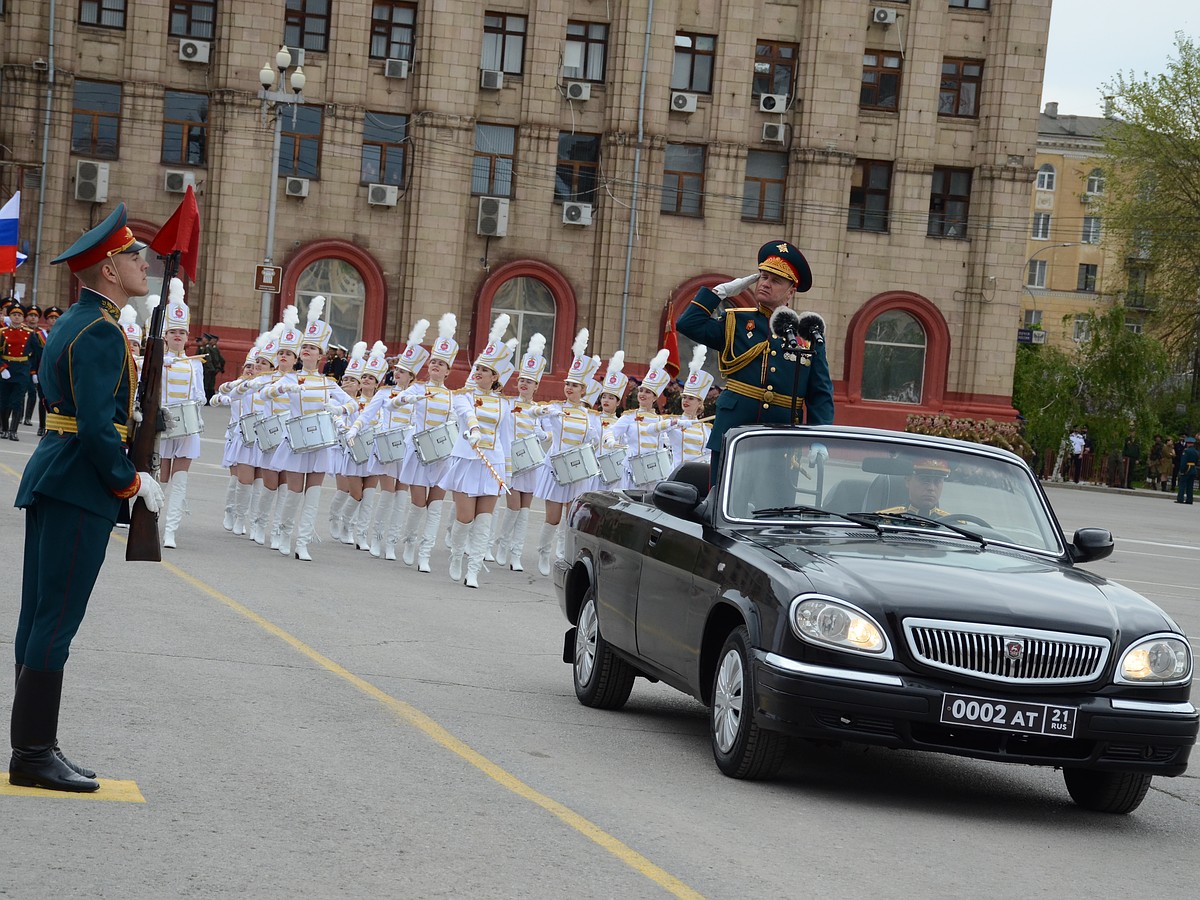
(276,100)
(1036,254)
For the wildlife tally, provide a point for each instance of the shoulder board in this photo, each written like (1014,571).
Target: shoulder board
(894,509)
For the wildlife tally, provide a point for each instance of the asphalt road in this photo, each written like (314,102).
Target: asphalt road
(349,728)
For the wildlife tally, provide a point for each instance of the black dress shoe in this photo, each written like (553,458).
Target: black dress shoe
(42,431)
(28,422)
(12,436)
(77,769)
(43,768)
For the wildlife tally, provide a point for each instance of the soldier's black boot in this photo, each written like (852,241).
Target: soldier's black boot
(34,725)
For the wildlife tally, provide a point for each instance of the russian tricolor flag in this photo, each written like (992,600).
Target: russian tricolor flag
(9,216)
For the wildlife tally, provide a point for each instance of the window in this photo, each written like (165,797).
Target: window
(345,293)
(968,4)
(193,19)
(1036,276)
(1033,318)
(384,136)
(870,189)
(774,68)
(949,203)
(959,95)
(894,358)
(393,29)
(1087,277)
(1045,177)
(577,167)
(1041,227)
(1135,294)
(306,25)
(586,49)
(185,128)
(105,13)
(503,43)
(693,68)
(1095,181)
(300,146)
(766,183)
(492,168)
(1091,230)
(683,180)
(96,119)
(1082,330)
(880,80)
(530,307)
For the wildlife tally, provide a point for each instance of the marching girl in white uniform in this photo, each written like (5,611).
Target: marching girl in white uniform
(476,473)
(349,475)
(570,425)
(514,515)
(182,382)
(310,394)
(642,430)
(276,358)
(241,479)
(688,439)
(612,389)
(374,522)
(430,404)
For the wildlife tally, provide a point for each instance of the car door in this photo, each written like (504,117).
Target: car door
(668,595)
(621,533)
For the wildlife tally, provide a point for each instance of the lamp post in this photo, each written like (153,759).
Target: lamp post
(276,100)
(1036,254)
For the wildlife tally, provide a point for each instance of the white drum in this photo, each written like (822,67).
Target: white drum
(574,465)
(314,431)
(612,465)
(527,453)
(391,445)
(245,426)
(359,447)
(182,419)
(435,443)
(269,431)
(650,467)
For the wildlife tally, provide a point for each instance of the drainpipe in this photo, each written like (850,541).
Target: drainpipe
(637,165)
(37,246)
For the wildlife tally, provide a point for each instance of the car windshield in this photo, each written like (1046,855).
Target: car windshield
(899,484)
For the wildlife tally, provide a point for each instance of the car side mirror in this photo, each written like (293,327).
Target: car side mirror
(676,498)
(1091,544)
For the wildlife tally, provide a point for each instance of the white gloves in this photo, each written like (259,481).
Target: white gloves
(473,437)
(150,491)
(816,451)
(137,415)
(334,407)
(399,401)
(733,288)
(547,409)
(290,387)
(351,433)
(5,374)
(35,377)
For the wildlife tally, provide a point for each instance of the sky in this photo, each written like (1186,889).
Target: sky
(1093,40)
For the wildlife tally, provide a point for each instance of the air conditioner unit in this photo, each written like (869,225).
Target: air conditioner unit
(881,15)
(577,214)
(774,133)
(493,217)
(194,51)
(383,194)
(297,55)
(395,68)
(579,90)
(91,181)
(177,181)
(491,79)
(776,103)
(296,187)
(683,102)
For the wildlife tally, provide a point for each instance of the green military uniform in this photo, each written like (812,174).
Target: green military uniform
(1188,462)
(936,512)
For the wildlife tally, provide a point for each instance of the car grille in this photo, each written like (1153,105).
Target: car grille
(1007,654)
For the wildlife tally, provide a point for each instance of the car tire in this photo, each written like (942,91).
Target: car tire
(602,679)
(741,747)
(1110,792)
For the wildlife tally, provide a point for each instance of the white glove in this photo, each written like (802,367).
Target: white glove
(473,437)
(548,409)
(150,491)
(735,287)
(351,433)
(399,401)
(137,415)
(610,442)
(816,451)
(5,374)
(334,407)
(35,377)
(291,388)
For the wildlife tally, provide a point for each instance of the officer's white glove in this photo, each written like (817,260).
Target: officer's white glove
(5,374)
(35,377)
(150,492)
(473,437)
(137,415)
(817,451)
(733,288)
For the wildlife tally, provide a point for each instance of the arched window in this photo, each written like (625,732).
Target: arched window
(530,305)
(894,358)
(1095,181)
(680,298)
(345,293)
(538,298)
(1045,177)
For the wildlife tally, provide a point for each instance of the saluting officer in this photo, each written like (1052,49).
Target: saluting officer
(760,372)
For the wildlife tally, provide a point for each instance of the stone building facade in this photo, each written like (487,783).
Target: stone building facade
(620,152)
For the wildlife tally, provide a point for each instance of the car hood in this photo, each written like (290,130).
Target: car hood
(905,576)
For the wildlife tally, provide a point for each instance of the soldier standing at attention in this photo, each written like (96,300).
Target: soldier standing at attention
(76,479)
(20,351)
(760,372)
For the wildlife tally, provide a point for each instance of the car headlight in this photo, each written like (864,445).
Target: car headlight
(837,624)
(1158,659)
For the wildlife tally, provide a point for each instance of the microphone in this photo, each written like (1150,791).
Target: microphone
(812,326)
(785,325)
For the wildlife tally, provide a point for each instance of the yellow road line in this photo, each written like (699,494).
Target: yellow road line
(440,735)
(9,470)
(110,789)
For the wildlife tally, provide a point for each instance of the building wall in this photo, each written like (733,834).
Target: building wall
(424,256)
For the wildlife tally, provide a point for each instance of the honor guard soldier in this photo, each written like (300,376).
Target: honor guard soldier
(20,351)
(760,370)
(74,483)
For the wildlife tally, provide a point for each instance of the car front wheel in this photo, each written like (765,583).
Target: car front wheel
(602,679)
(1110,792)
(741,748)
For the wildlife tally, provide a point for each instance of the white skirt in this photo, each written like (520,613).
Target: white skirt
(286,460)
(413,471)
(526,481)
(186,447)
(546,486)
(470,477)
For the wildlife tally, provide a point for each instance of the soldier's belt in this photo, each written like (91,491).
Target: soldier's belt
(16,359)
(68,425)
(762,395)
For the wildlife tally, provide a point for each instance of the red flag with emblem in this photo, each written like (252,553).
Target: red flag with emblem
(671,344)
(181,232)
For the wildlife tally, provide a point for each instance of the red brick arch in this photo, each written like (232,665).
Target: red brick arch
(565,307)
(374,282)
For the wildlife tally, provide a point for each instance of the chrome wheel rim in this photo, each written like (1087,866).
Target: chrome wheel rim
(585,644)
(727,701)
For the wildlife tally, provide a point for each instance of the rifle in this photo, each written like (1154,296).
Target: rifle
(143,544)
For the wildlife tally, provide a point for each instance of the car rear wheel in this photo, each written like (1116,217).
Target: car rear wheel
(741,748)
(1110,792)
(602,679)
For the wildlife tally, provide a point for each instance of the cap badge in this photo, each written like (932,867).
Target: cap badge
(782,248)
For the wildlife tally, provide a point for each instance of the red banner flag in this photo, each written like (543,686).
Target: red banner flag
(671,343)
(182,233)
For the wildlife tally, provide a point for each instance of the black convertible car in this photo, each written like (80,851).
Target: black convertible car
(844,584)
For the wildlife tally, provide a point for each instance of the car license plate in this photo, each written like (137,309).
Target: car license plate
(1008,715)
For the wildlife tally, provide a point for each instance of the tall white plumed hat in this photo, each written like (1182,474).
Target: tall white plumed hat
(582,365)
(698,381)
(657,377)
(317,332)
(357,364)
(291,336)
(615,380)
(178,315)
(533,363)
(495,350)
(377,363)
(445,347)
(129,323)
(414,354)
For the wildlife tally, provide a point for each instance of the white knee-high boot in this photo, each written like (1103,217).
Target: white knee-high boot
(230,502)
(488,556)
(433,519)
(520,526)
(449,513)
(546,548)
(366,510)
(379,524)
(413,529)
(307,530)
(349,516)
(241,504)
(257,490)
(403,503)
(502,526)
(268,518)
(560,539)
(458,545)
(477,543)
(175,503)
(287,520)
(337,518)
